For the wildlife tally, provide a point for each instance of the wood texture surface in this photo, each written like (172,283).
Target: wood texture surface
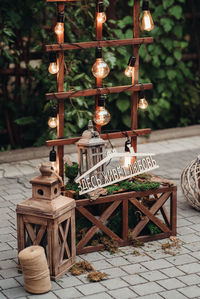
(99,43)
(115,135)
(96,91)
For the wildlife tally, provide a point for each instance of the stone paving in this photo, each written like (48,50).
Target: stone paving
(151,275)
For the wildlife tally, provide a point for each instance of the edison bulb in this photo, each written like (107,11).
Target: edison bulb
(143,104)
(126,161)
(53,68)
(59,28)
(147,21)
(52,122)
(100,69)
(129,71)
(101,17)
(101,116)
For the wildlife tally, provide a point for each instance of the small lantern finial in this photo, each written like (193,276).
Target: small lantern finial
(90,126)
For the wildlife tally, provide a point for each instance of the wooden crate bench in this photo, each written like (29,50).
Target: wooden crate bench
(107,205)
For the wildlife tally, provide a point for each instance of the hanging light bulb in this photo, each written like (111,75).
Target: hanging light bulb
(53,118)
(147,21)
(126,161)
(143,104)
(101,16)
(100,68)
(59,28)
(101,115)
(129,71)
(52,159)
(53,67)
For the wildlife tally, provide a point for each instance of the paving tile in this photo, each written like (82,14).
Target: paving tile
(15,292)
(137,259)
(48,295)
(8,254)
(68,293)
(7,273)
(190,279)
(7,264)
(112,284)
(115,272)
(171,283)
(122,293)
(118,261)
(147,288)
(157,264)
(195,254)
(153,296)
(91,288)
(4,246)
(134,279)
(172,294)
(92,257)
(134,269)
(101,265)
(181,259)
(66,282)
(8,283)
(190,238)
(172,272)
(99,296)
(190,268)
(190,292)
(153,275)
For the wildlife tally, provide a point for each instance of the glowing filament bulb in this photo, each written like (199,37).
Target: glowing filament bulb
(143,104)
(101,115)
(59,28)
(147,21)
(52,122)
(101,16)
(129,72)
(53,68)
(100,69)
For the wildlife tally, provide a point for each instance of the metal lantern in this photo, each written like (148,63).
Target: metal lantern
(91,149)
(190,183)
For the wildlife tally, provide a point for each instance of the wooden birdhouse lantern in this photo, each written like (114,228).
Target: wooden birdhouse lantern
(91,149)
(48,219)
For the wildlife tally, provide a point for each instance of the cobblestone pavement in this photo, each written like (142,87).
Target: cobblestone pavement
(151,275)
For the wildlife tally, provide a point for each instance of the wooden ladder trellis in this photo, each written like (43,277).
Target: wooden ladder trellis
(61,96)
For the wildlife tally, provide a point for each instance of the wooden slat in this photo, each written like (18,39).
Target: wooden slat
(125,219)
(90,233)
(173,212)
(99,43)
(67,141)
(96,91)
(165,215)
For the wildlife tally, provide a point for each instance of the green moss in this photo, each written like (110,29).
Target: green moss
(71,172)
(135,186)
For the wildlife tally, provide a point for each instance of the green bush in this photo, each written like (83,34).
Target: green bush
(26,27)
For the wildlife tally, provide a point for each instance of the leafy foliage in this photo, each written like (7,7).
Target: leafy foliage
(25,29)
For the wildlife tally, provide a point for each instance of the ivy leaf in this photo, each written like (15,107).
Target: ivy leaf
(176,11)
(178,31)
(126,119)
(167,24)
(167,3)
(123,104)
(26,120)
(169,61)
(171,74)
(177,55)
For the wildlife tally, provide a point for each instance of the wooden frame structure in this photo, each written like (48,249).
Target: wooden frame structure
(112,202)
(134,88)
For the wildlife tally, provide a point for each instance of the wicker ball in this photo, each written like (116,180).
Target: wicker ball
(190,183)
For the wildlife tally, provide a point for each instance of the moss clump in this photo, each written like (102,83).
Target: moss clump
(96,276)
(80,268)
(71,171)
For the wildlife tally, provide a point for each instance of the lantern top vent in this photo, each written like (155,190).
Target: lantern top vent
(90,137)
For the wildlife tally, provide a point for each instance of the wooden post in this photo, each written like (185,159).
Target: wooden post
(135,52)
(60,87)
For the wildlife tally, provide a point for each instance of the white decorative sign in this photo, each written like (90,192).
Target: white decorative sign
(88,182)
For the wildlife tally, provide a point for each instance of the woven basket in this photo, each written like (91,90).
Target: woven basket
(190,183)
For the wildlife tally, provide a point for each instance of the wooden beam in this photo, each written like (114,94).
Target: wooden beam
(99,43)
(67,141)
(96,91)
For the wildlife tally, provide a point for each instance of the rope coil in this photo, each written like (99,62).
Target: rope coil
(35,270)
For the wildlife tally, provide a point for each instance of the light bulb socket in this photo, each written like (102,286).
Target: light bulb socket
(54,111)
(100,7)
(141,94)
(132,61)
(52,155)
(145,5)
(98,52)
(101,101)
(52,57)
(60,17)
(128,142)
